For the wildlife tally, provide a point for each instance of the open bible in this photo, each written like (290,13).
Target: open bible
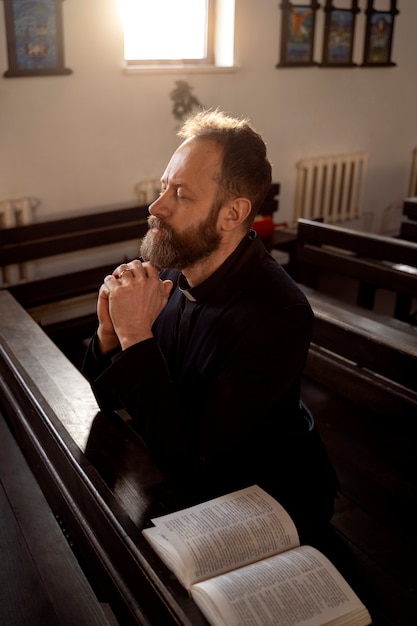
(240,559)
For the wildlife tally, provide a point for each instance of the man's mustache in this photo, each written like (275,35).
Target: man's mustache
(156,222)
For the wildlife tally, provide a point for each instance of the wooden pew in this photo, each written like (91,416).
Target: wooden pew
(40,575)
(95,473)
(408,226)
(103,487)
(70,296)
(360,352)
(364,356)
(373,261)
(408,230)
(410,208)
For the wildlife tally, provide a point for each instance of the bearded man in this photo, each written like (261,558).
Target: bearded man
(203,342)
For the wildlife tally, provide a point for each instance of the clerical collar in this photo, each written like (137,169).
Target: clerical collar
(185,288)
(201,292)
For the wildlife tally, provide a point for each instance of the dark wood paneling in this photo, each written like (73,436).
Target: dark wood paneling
(375,515)
(41,582)
(56,422)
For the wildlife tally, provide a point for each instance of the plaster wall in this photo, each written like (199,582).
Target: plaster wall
(83,141)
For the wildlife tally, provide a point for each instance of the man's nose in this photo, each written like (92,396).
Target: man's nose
(160,206)
(155,207)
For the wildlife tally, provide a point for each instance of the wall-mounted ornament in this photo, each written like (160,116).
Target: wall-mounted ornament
(184,102)
(34,38)
(339,32)
(297,34)
(378,35)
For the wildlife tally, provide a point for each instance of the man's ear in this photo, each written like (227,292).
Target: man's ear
(235,212)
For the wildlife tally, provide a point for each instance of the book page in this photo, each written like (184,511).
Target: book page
(300,587)
(221,534)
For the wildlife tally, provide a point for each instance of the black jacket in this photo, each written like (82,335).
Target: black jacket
(224,411)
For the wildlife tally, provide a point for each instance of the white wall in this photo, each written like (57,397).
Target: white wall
(83,141)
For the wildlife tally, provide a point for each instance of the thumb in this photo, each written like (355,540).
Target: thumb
(168,284)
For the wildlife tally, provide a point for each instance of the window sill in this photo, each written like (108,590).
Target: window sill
(182,69)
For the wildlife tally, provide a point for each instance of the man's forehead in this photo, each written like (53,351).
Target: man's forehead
(200,147)
(192,157)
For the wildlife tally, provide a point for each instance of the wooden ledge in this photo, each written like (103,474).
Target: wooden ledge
(95,472)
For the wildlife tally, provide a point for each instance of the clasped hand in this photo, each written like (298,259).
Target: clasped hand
(129,301)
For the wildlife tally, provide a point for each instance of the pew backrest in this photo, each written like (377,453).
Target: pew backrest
(410,208)
(54,237)
(374,261)
(60,239)
(408,230)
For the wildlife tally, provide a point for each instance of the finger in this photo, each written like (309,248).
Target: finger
(126,273)
(103,292)
(110,282)
(138,268)
(150,269)
(121,269)
(116,272)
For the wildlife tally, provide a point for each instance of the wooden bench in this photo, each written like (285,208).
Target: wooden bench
(361,352)
(70,291)
(365,356)
(374,262)
(410,208)
(41,579)
(103,487)
(96,475)
(408,230)
(408,226)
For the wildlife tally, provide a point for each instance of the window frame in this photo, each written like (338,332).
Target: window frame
(207,60)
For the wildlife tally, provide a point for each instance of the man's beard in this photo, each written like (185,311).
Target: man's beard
(171,249)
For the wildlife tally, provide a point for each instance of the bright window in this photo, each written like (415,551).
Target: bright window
(166,32)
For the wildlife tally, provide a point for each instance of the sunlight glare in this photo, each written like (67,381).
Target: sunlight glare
(171,30)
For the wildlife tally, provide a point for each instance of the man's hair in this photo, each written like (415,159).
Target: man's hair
(245,170)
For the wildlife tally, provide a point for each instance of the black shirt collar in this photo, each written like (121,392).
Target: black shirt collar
(201,292)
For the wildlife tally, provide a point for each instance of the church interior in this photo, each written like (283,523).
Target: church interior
(83,145)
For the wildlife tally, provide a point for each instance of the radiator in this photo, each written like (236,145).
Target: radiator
(331,188)
(16,213)
(412,188)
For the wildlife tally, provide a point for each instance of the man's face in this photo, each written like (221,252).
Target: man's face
(183,224)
